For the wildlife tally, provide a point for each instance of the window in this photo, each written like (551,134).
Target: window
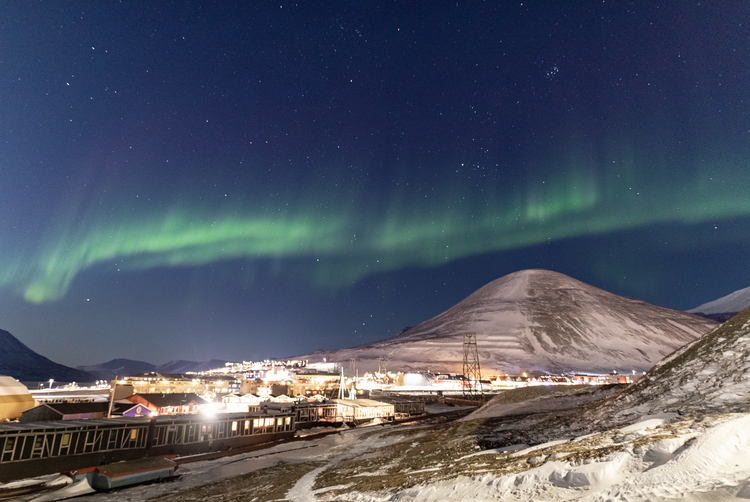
(133,434)
(65,440)
(38,441)
(10,443)
(288,420)
(269,422)
(247,424)
(234,426)
(279,421)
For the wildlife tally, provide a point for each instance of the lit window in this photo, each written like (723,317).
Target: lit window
(133,434)
(65,440)
(247,424)
(234,426)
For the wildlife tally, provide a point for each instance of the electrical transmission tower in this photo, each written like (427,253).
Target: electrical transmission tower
(472,388)
(383,365)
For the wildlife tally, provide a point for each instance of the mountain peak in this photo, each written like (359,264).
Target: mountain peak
(539,320)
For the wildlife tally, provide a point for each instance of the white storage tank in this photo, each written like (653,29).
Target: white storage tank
(14,398)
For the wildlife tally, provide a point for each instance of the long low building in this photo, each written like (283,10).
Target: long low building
(403,406)
(362,410)
(46,412)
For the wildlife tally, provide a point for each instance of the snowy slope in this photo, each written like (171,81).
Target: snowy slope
(537,320)
(732,303)
(709,375)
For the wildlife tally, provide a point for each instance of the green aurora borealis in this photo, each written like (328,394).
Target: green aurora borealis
(342,243)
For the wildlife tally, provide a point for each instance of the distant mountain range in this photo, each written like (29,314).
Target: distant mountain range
(536,320)
(22,363)
(117,368)
(126,367)
(725,307)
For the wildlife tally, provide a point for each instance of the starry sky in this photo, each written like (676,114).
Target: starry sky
(242,180)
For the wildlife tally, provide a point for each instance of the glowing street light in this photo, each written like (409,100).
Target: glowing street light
(50,382)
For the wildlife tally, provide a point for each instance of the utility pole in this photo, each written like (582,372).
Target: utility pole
(112,397)
(341,384)
(471,367)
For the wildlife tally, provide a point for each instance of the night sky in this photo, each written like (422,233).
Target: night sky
(241,180)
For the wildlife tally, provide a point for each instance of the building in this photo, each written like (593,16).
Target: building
(131,410)
(363,410)
(48,412)
(170,404)
(306,384)
(14,398)
(177,383)
(404,407)
(235,403)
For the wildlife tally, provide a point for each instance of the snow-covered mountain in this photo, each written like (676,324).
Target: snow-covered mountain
(536,320)
(724,307)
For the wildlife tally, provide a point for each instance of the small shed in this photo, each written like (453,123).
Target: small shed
(14,398)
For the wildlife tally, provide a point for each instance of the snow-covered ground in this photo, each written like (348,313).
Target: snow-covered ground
(658,458)
(662,457)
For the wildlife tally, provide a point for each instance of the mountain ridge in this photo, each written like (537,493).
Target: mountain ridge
(725,307)
(20,362)
(126,367)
